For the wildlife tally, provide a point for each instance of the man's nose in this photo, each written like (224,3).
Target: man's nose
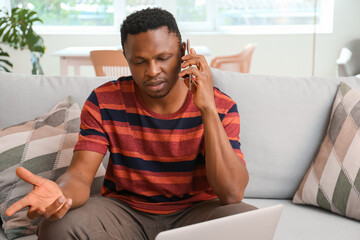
(153,69)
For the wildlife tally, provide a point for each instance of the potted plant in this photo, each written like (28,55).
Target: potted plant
(16,30)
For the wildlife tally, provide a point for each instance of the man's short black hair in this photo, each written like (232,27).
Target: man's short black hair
(148,19)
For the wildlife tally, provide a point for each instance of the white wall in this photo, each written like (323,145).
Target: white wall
(287,55)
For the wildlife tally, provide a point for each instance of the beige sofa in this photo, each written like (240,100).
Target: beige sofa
(283,121)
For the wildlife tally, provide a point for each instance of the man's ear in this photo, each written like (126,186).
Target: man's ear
(183,49)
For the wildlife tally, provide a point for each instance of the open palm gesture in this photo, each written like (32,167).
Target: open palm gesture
(45,199)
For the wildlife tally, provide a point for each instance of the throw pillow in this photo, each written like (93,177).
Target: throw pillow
(333,179)
(44,146)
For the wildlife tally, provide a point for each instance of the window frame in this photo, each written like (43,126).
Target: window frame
(326,10)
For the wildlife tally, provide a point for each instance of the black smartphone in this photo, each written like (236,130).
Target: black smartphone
(190,75)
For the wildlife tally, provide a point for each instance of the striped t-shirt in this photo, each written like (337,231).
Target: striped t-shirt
(157,162)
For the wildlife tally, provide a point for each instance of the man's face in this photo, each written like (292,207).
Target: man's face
(154,61)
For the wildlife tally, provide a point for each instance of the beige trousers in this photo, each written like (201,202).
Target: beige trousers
(107,218)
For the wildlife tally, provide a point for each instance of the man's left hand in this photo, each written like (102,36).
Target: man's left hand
(202,84)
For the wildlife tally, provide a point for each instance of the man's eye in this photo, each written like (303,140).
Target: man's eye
(138,62)
(164,58)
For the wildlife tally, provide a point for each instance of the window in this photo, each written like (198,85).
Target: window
(275,16)
(72,16)
(229,16)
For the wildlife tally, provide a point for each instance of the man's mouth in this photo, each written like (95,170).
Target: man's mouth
(155,85)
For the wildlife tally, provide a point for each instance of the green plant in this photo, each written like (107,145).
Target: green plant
(17,32)
(4,63)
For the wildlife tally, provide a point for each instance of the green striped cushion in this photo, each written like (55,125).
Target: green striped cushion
(333,179)
(44,146)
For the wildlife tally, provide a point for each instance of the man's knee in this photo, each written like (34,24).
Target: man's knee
(231,209)
(71,226)
(58,229)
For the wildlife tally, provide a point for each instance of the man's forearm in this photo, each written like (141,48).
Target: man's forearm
(75,183)
(226,173)
(74,188)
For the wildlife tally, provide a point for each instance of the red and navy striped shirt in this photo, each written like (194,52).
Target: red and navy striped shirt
(157,162)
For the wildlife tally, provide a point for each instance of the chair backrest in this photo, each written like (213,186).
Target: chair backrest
(236,63)
(110,63)
(348,62)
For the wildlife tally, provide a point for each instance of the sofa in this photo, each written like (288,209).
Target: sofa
(283,123)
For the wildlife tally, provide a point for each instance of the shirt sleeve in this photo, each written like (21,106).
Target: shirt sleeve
(231,124)
(92,136)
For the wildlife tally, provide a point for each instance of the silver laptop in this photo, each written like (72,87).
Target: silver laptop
(259,224)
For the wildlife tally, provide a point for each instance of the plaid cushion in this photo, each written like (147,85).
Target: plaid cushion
(44,146)
(333,179)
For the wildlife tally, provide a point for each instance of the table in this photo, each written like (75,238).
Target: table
(77,57)
(80,56)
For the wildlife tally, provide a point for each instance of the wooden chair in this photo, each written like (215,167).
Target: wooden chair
(236,63)
(111,63)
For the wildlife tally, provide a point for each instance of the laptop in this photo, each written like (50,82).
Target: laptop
(258,224)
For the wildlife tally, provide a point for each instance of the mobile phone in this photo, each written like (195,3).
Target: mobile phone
(190,75)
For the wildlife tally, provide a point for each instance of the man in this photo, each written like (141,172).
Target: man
(175,156)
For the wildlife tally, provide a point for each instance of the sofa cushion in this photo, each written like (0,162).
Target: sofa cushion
(299,222)
(282,123)
(44,146)
(333,179)
(25,97)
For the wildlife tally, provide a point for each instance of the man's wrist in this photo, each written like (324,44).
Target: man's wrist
(209,113)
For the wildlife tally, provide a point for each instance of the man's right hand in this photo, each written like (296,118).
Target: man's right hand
(46,199)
